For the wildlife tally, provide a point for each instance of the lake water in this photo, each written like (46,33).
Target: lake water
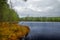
(43,30)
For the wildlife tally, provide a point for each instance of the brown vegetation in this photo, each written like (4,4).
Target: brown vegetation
(12,31)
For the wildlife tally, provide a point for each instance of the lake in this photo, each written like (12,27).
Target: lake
(43,30)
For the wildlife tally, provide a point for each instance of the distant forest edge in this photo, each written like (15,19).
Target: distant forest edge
(42,19)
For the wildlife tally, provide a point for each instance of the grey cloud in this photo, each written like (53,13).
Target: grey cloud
(42,4)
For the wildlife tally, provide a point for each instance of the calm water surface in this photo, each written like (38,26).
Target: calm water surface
(43,30)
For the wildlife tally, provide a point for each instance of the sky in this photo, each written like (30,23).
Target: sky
(37,8)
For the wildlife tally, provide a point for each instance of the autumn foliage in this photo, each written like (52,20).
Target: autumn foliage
(12,31)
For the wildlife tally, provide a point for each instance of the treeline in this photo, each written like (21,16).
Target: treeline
(7,13)
(42,19)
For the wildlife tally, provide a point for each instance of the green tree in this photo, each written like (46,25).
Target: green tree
(6,13)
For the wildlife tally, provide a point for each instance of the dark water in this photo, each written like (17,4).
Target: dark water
(43,30)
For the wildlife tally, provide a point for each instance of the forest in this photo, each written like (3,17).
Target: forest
(41,19)
(7,13)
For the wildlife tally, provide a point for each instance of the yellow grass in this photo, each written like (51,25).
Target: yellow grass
(12,31)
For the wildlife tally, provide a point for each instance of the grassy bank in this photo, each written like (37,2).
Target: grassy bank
(12,31)
(42,19)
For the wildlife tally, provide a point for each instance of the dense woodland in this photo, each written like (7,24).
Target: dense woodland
(7,13)
(41,19)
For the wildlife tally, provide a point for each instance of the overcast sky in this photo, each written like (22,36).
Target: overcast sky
(37,8)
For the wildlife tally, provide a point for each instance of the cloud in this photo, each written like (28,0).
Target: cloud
(31,6)
(37,7)
(20,9)
(58,0)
